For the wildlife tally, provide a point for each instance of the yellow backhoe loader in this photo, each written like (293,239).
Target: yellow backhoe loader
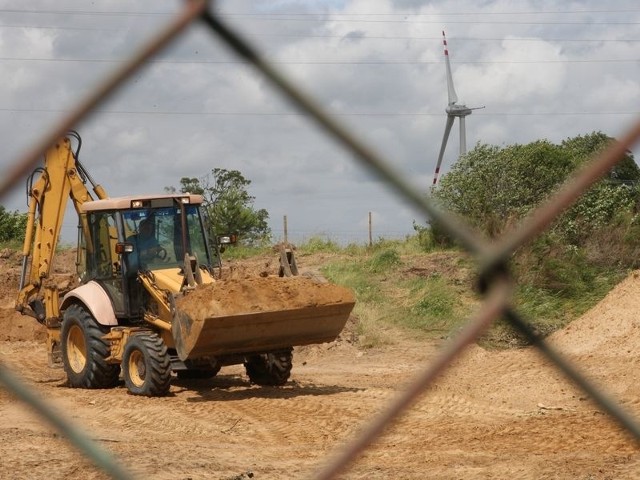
(148,301)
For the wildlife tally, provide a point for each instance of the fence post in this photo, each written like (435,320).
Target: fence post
(370,234)
(286,231)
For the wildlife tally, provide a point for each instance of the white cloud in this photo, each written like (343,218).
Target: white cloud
(509,81)
(613,93)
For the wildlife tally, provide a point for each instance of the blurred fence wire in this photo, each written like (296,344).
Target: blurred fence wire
(492,258)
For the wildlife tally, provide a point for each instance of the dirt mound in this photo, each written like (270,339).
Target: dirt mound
(258,294)
(17,327)
(610,328)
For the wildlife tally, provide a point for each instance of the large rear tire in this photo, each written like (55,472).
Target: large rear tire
(146,367)
(270,369)
(84,351)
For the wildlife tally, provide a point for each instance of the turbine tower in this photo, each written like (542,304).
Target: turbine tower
(453,110)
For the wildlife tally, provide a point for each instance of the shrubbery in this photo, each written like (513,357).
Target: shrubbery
(493,187)
(12,226)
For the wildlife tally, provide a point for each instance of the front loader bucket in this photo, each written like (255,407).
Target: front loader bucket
(257,315)
(261,331)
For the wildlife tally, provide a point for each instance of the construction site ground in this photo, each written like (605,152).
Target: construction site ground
(494,414)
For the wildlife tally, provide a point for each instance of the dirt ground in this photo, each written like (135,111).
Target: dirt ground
(494,415)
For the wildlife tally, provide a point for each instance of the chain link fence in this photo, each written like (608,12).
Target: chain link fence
(492,259)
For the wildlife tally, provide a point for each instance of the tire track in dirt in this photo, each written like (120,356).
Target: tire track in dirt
(26,357)
(531,435)
(284,414)
(436,405)
(286,418)
(165,416)
(49,456)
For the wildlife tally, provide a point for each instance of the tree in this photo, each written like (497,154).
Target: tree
(229,205)
(583,147)
(12,225)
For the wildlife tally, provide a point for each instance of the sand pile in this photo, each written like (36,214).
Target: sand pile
(258,294)
(612,327)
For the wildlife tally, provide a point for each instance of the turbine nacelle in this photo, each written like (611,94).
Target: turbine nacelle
(459,110)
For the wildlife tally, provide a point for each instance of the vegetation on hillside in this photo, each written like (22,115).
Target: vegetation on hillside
(433,293)
(589,249)
(426,284)
(397,285)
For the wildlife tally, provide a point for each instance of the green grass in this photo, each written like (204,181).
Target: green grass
(553,306)
(239,252)
(372,309)
(351,274)
(387,294)
(434,305)
(12,245)
(384,261)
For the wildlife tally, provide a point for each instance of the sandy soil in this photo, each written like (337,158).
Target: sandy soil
(493,415)
(260,294)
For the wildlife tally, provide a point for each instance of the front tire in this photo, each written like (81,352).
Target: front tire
(145,365)
(84,351)
(270,369)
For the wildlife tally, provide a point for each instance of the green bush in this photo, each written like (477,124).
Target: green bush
(12,226)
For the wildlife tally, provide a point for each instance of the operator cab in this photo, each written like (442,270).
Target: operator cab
(120,237)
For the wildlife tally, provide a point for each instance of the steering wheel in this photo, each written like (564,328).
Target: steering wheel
(161,253)
(155,251)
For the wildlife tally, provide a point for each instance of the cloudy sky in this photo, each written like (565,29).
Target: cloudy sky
(543,70)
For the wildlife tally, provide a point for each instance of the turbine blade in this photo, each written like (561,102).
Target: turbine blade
(453,98)
(447,130)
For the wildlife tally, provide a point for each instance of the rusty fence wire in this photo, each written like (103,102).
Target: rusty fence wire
(492,258)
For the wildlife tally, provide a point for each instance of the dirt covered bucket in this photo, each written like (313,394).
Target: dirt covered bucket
(258,314)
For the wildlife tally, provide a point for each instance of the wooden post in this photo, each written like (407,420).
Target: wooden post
(286,231)
(370,234)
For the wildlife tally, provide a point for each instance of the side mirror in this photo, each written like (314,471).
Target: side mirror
(227,239)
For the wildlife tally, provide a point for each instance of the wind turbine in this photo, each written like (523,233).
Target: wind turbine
(453,110)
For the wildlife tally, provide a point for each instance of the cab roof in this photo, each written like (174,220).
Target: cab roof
(133,202)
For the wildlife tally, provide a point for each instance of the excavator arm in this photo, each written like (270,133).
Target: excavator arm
(61,180)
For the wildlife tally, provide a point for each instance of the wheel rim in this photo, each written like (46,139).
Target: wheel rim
(76,349)
(137,368)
